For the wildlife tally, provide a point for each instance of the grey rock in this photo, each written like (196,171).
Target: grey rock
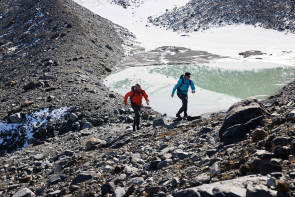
(38,157)
(164,163)
(281,152)
(180,154)
(211,152)
(259,190)
(266,166)
(107,188)
(230,188)
(161,122)
(25,192)
(206,130)
(282,141)
(15,118)
(137,181)
(87,125)
(82,177)
(240,114)
(175,182)
(73,117)
(56,178)
(56,193)
(95,143)
(119,192)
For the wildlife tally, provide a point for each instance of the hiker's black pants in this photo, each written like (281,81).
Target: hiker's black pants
(184,100)
(136,110)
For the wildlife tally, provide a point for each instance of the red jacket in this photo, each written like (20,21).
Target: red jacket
(137,97)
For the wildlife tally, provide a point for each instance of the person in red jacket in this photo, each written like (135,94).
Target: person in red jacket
(136,95)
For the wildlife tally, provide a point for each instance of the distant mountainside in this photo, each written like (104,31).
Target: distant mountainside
(203,14)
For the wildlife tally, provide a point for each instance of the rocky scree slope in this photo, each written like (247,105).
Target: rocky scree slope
(165,158)
(54,54)
(203,14)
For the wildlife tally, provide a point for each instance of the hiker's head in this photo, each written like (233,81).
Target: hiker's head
(137,87)
(187,75)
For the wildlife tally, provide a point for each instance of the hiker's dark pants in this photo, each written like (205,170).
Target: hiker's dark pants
(183,98)
(136,110)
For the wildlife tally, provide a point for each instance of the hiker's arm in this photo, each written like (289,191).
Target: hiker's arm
(175,87)
(193,87)
(146,97)
(126,97)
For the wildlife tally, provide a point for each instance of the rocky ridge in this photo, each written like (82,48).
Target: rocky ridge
(202,14)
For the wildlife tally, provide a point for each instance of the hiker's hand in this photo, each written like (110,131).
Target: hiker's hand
(193,91)
(148,103)
(172,95)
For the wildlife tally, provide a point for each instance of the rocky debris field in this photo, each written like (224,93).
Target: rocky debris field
(247,151)
(203,14)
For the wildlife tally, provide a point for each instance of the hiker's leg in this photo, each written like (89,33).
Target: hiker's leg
(185,101)
(182,100)
(137,115)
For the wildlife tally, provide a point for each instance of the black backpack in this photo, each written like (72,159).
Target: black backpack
(133,93)
(182,81)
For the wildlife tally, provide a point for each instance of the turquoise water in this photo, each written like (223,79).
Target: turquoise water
(218,85)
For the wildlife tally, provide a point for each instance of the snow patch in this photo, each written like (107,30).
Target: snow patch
(34,120)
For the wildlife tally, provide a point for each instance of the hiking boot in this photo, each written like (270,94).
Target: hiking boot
(185,116)
(138,127)
(178,115)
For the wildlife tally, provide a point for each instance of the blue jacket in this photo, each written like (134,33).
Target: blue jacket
(183,89)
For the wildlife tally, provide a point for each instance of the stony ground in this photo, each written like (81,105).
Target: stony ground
(202,14)
(160,159)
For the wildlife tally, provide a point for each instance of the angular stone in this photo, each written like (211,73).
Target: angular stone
(119,192)
(180,154)
(281,152)
(281,141)
(258,134)
(161,122)
(73,117)
(94,143)
(107,188)
(25,192)
(241,113)
(15,118)
(231,188)
(137,181)
(82,177)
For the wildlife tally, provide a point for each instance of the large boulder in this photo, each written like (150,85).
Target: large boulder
(240,187)
(240,119)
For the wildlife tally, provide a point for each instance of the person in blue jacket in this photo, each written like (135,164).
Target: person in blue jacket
(182,87)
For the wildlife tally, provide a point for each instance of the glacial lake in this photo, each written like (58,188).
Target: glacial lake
(218,85)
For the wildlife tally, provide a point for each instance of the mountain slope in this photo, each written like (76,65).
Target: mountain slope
(202,14)
(53,53)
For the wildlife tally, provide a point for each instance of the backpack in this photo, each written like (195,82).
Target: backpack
(133,93)
(182,81)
